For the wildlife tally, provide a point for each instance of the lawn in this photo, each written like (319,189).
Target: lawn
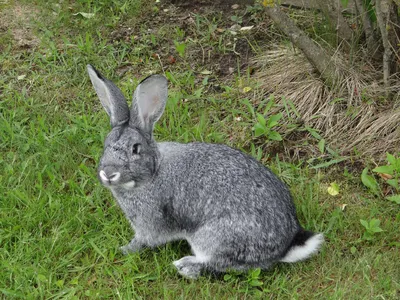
(61,230)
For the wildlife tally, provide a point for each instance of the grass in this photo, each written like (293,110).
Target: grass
(60,229)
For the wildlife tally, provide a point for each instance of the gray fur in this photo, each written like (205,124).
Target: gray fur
(234,212)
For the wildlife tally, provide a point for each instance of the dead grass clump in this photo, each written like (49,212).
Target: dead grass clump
(352,116)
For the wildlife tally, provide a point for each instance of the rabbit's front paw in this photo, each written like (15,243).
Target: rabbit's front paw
(133,246)
(189,267)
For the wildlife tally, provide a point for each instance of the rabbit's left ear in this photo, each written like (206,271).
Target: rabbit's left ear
(148,103)
(110,97)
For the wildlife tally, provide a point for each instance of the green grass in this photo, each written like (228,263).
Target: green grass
(60,229)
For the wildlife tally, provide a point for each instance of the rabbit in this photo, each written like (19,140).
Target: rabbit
(233,211)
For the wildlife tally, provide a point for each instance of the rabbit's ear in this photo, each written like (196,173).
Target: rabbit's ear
(110,97)
(149,102)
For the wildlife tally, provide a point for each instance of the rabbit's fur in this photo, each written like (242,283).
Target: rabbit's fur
(234,212)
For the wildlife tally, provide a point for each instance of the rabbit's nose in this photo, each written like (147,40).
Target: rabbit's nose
(112,177)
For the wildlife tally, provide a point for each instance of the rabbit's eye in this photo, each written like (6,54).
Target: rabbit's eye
(136,149)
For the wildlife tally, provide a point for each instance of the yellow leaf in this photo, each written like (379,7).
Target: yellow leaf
(333,190)
(246,89)
(268,3)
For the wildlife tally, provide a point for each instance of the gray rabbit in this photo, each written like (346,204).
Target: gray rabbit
(234,212)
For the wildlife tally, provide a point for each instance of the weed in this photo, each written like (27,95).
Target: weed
(390,174)
(371,228)
(250,282)
(237,19)
(180,48)
(265,126)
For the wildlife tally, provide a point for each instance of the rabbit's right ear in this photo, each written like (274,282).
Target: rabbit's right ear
(110,97)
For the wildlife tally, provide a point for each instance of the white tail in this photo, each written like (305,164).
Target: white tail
(310,247)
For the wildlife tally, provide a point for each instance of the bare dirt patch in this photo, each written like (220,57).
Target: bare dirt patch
(212,32)
(15,21)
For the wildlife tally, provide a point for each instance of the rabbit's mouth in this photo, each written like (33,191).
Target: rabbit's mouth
(115,180)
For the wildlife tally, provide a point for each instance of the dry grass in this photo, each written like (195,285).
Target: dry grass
(353,116)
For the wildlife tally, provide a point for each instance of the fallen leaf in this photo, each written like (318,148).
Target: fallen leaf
(343,206)
(385,176)
(246,89)
(333,190)
(246,28)
(85,15)
(206,72)
(20,77)
(171,59)
(235,6)
(238,119)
